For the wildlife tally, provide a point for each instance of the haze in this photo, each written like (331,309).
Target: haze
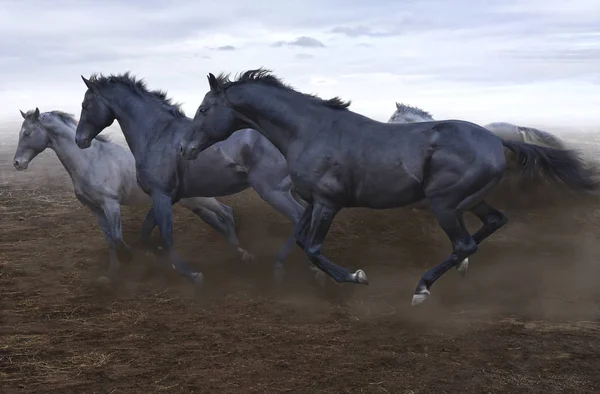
(531,62)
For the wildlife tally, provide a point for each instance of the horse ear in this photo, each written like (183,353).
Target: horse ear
(36,114)
(87,82)
(212,82)
(23,114)
(397,105)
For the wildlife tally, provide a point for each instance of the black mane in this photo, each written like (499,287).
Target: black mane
(137,86)
(263,75)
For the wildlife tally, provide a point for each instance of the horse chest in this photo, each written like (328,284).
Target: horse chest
(322,178)
(156,175)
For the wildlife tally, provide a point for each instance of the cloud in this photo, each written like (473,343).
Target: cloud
(362,31)
(226,48)
(306,42)
(459,58)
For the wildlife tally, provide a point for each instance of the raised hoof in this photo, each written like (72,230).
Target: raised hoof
(198,278)
(360,277)
(463,267)
(420,297)
(104,281)
(247,257)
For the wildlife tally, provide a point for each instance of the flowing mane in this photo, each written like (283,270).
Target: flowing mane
(266,76)
(138,86)
(408,109)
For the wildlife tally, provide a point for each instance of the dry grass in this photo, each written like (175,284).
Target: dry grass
(525,319)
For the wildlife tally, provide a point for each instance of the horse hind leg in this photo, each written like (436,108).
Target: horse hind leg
(492,220)
(449,214)
(220,217)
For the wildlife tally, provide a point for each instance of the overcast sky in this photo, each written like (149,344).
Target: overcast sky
(533,62)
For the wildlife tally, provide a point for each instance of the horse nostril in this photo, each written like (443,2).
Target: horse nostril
(16,163)
(180,149)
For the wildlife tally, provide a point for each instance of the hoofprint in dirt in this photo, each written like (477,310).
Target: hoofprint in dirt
(525,319)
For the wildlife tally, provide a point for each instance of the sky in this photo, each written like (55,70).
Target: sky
(530,62)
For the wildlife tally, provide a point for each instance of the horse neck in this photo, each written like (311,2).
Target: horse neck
(62,142)
(138,116)
(276,113)
(416,118)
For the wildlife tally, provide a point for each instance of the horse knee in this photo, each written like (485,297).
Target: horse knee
(313,251)
(465,248)
(496,219)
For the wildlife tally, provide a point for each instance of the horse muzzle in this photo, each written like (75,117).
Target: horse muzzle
(21,164)
(83,142)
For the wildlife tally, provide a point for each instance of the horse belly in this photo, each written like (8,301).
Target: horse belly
(216,184)
(136,196)
(384,194)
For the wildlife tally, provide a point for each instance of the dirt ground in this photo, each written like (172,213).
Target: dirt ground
(525,319)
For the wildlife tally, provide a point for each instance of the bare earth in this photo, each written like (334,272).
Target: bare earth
(525,319)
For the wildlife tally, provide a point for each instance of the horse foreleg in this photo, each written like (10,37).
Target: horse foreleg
(162,207)
(311,231)
(112,211)
(284,202)
(113,260)
(147,227)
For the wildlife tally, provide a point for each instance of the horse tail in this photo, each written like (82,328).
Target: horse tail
(558,165)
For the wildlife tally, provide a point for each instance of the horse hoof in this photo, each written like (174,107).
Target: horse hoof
(360,277)
(104,281)
(463,267)
(247,257)
(419,298)
(198,278)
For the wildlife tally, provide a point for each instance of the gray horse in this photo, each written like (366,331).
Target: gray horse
(104,179)
(338,158)
(507,131)
(153,127)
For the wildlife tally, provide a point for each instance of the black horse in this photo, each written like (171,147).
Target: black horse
(338,158)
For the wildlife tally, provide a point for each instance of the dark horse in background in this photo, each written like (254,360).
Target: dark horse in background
(338,158)
(153,127)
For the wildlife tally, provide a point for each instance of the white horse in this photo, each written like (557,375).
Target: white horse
(508,131)
(104,177)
